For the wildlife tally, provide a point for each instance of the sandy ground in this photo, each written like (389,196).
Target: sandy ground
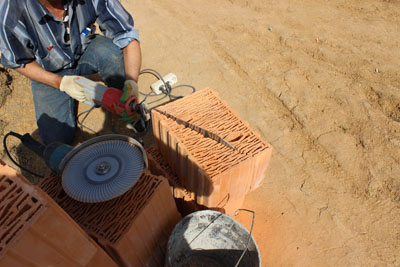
(319,80)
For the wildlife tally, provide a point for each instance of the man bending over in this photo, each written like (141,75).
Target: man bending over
(53,41)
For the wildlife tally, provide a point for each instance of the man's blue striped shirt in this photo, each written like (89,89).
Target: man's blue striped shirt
(28,31)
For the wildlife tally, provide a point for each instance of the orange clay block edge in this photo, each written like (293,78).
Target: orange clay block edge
(183,198)
(214,172)
(125,223)
(48,237)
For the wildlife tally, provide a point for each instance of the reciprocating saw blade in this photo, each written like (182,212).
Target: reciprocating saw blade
(204,132)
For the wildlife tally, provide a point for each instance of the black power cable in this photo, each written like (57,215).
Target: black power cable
(166,90)
(9,155)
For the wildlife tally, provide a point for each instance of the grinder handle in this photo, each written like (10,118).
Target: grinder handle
(31,143)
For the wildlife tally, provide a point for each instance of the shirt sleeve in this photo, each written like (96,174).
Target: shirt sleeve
(15,46)
(115,22)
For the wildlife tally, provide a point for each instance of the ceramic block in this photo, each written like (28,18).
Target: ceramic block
(184,199)
(130,227)
(215,173)
(35,231)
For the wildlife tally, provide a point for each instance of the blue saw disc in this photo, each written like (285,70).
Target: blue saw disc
(102,170)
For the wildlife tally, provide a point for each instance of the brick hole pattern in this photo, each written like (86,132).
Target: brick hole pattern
(18,209)
(159,166)
(214,172)
(106,220)
(206,110)
(184,199)
(133,228)
(48,236)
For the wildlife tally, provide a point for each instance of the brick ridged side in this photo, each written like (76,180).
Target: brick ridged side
(158,166)
(214,172)
(133,228)
(184,199)
(35,231)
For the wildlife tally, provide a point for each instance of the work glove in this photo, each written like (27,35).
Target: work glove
(73,89)
(130,89)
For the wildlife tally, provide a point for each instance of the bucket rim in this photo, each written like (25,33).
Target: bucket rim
(212,213)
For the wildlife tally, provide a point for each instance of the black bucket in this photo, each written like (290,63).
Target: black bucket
(211,238)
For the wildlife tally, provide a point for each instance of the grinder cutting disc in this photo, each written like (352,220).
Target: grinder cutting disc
(103,168)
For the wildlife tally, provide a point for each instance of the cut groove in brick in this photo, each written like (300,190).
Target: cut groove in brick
(129,227)
(211,170)
(34,231)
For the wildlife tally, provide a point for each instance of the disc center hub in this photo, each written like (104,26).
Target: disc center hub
(102,168)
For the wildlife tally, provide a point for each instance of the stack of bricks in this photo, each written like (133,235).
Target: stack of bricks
(35,231)
(133,228)
(219,176)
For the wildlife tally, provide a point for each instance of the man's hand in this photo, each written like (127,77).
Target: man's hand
(74,90)
(130,89)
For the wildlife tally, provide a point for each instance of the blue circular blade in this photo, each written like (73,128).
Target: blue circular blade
(102,171)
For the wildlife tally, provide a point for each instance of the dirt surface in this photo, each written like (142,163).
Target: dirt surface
(319,80)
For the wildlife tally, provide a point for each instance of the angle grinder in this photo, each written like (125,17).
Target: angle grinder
(98,169)
(99,95)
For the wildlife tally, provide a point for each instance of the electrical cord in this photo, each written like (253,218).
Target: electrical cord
(11,158)
(80,123)
(166,90)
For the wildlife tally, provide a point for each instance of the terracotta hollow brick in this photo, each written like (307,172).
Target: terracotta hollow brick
(184,199)
(35,231)
(209,169)
(129,227)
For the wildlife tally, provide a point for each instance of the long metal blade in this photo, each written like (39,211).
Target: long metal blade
(202,131)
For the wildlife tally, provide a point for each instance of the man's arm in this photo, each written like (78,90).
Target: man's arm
(117,24)
(66,84)
(132,60)
(35,72)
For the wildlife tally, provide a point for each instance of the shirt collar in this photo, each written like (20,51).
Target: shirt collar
(38,11)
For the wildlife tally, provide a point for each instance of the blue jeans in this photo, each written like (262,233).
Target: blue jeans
(54,109)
